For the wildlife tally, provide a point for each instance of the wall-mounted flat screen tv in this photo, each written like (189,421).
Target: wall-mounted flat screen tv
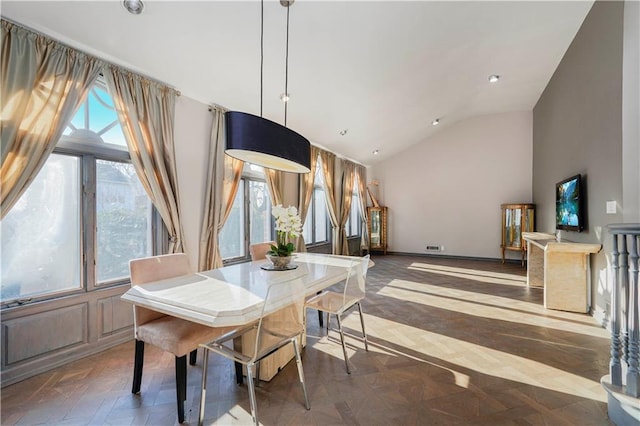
(569,204)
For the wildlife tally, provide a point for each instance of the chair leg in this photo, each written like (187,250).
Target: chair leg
(203,392)
(296,348)
(193,356)
(328,321)
(364,333)
(137,366)
(344,349)
(252,394)
(181,385)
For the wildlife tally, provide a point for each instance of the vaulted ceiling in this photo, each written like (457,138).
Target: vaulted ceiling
(381,70)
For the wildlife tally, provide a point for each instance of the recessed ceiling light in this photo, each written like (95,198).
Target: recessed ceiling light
(135,7)
(435,122)
(285,97)
(494,78)
(343,132)
(376,152)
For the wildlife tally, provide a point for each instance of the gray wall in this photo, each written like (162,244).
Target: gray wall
(631,112)
(577,128)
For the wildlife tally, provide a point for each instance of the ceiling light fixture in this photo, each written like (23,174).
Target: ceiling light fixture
(263,142)
(376,152)
(494,78)
(343,132)
(435,122)
(135,7)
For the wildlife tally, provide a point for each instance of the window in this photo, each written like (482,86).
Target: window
(123,218)
(84,215)
(316,225)
(249,221)
(354,222)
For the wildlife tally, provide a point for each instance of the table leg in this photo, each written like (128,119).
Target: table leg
(237,346)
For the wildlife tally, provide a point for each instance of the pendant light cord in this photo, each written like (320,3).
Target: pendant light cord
(286,69)
(261,50)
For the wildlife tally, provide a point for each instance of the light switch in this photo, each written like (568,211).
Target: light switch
(611,207)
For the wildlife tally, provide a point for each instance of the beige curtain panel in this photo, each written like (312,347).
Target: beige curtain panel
(146,113)
(328,161)
(275,183)
(348,176)
(361,179)
(305,193)
(223,178)
(42,84)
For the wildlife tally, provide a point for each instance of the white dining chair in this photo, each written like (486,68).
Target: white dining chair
(258,251)
(337,303)
(281,323)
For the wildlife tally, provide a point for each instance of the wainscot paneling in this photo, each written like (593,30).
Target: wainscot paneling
(116,315)
(40,336)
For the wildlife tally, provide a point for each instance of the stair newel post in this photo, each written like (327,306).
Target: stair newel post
(615,369)
(632,348)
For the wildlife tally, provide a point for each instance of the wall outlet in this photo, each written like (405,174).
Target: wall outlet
(611,207)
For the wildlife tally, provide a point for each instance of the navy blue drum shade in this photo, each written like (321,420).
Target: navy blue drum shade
(265,143)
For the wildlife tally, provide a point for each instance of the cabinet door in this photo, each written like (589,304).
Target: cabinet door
(513,227)
(529,220)
(376,227)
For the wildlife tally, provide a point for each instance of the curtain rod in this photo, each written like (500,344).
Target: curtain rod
(97,58)
(213,105)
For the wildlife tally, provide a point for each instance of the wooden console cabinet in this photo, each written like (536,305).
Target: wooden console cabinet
(562,269)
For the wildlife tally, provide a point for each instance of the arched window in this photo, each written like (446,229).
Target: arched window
(82,218)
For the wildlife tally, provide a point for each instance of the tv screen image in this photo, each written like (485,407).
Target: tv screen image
(569,204)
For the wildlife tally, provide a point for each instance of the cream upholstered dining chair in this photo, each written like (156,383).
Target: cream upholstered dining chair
(336,303)
(169,333)
(281,322)
(259,251)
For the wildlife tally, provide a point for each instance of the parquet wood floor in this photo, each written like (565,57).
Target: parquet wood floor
(452,342)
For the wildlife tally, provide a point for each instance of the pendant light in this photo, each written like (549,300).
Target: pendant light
(263,142)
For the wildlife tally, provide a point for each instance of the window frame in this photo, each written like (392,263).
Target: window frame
(318,188)
(88,154)
(247,177)
(351,223)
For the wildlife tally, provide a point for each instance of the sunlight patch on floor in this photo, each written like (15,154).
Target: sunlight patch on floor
(491,306)
(472,274)
(234,415)
(448,352)
(330,344)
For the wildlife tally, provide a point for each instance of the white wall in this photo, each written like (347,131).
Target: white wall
(191,135)
(448,189)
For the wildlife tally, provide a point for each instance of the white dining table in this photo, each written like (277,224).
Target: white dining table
(233,295)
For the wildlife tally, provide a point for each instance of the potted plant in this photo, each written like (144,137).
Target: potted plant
(288,227)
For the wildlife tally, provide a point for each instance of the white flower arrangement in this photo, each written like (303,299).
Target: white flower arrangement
(288,225)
